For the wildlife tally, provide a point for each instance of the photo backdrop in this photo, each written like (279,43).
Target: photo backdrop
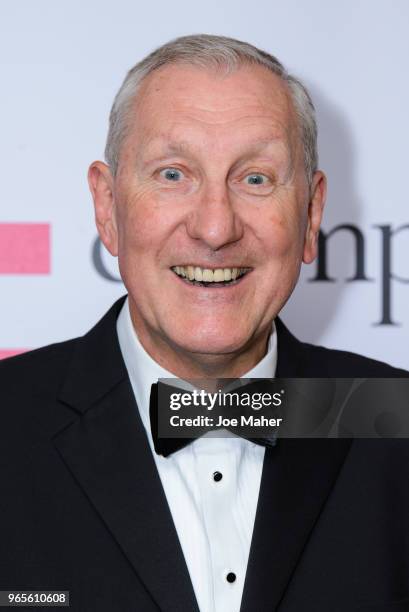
(61,65)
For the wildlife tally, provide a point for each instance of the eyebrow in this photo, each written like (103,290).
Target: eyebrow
(172,146)
(183,147)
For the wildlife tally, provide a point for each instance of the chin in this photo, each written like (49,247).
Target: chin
(211,342)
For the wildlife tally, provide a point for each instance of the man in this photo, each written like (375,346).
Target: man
(211,199)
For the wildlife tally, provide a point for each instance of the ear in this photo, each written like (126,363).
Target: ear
(101,183)
(315,209)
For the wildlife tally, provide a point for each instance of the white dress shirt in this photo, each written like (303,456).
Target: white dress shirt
(214,518)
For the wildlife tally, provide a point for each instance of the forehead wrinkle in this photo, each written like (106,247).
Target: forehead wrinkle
(159,99)
(167,146)
(229,113)
(278,120)
(171,86)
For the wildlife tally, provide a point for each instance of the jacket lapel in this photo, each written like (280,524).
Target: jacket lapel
(106,449)
(102,441)
(297,478)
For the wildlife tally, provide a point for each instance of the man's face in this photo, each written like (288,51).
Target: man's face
(210,178)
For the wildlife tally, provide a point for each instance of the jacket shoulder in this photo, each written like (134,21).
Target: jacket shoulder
(37,370)
(350,365)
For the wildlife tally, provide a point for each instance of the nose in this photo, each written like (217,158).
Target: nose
(214,219)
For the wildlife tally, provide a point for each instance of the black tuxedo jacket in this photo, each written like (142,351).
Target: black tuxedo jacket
(82,507)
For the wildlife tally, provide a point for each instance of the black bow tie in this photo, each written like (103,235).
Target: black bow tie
(166,446)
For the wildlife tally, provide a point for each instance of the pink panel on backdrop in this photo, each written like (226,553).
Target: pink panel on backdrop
(24,248)
(10,352)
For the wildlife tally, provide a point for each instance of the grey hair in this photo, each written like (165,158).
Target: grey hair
(219,52)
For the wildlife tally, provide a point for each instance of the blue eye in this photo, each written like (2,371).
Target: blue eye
(256,179)
(171,174)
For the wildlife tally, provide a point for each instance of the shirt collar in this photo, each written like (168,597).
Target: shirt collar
(144,371)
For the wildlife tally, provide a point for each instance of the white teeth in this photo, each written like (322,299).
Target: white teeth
(218,276)
(209,276)
(198,274)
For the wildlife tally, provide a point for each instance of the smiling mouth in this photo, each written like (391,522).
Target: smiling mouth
(206,277)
